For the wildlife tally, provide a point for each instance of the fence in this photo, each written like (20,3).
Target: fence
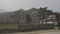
(35,26)
(29,27)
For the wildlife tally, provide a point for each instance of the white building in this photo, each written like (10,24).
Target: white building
(50,20)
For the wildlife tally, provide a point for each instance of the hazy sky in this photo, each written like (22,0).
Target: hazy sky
(12,5)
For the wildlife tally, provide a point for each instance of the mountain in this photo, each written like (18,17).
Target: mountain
(6,16)
(33,13)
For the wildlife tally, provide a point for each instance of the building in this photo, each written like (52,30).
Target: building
(49,20)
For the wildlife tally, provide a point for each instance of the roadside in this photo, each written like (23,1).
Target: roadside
(39,32)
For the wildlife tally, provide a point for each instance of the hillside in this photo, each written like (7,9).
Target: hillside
(6,18)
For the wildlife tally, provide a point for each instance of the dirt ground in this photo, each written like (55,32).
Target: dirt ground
(40,32)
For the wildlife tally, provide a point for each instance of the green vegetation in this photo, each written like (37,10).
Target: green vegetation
(28,19)
(24,17)
(43,13)
(7,26)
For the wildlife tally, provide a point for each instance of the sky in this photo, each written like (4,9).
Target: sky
(12,5)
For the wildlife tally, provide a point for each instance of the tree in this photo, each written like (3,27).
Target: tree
(16,16)
(44,13)
(7,19)
(57,18)
(28,19)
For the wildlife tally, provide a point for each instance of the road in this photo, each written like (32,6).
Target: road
(36,33)
(41,32)
(52,33)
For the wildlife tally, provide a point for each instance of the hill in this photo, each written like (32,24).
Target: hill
(5,18)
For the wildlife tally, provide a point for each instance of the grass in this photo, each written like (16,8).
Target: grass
(7,26)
